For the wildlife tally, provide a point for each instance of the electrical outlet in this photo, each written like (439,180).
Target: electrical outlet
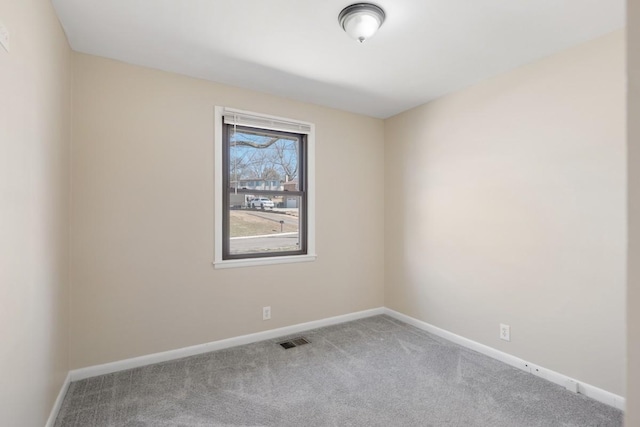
(505,332)
(266,313)
(4,37)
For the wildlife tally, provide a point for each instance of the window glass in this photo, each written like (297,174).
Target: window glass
(260,218)
(265,224)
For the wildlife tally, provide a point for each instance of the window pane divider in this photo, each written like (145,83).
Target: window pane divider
(266,192)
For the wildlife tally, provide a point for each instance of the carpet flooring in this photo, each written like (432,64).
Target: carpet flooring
(370,372)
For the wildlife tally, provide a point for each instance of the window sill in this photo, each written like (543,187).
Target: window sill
(252,262)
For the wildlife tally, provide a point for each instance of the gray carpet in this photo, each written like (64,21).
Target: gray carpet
(370,372)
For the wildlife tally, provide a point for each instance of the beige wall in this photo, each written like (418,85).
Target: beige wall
(35,129)
(505,203)
(142,238)
(633,296)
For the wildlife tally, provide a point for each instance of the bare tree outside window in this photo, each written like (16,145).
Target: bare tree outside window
(258,156)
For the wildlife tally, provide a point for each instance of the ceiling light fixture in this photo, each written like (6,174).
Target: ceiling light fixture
(361,20)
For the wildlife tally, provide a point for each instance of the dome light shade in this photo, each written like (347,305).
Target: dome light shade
(361,20)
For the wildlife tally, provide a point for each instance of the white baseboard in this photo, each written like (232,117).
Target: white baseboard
(58,403)
(586,389)
(121,365)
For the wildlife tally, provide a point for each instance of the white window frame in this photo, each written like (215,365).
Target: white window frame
(263,121)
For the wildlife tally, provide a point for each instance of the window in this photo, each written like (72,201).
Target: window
(264,189)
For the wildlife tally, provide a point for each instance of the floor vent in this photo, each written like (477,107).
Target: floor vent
(295,342)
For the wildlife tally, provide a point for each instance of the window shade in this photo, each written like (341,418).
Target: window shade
(239,118)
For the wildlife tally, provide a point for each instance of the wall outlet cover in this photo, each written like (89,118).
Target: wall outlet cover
(505,332)
(4,37)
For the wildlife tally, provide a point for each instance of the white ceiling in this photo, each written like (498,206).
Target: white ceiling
(296,49)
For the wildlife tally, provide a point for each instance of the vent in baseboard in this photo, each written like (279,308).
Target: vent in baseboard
(294,342)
